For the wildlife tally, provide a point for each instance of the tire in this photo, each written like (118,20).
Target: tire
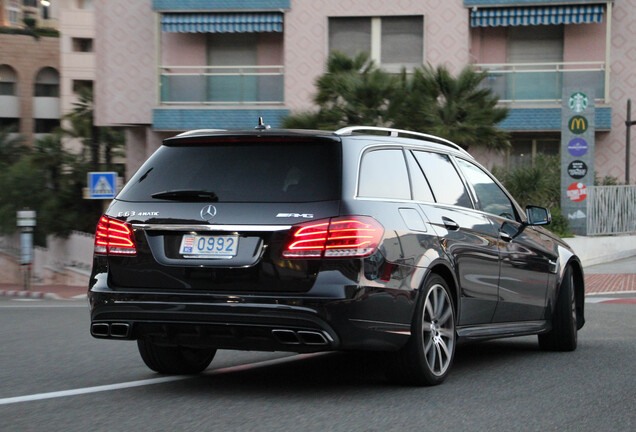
(173,360)
(428,356)
(563,335)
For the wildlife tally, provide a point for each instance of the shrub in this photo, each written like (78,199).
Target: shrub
(538,185)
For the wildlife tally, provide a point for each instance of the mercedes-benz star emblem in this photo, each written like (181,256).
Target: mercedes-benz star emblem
(208,212)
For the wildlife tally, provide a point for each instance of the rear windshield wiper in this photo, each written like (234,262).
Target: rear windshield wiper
(187,195)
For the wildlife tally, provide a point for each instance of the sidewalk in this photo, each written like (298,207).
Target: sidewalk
(615,277)
(53,292)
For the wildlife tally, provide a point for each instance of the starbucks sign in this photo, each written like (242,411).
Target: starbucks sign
(578,102)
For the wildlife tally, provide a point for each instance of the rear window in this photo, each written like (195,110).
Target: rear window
(294,171)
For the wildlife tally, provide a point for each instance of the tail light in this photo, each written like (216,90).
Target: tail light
(113,237)
(348,236)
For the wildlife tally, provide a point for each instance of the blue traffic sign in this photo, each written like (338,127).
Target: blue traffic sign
(102,185)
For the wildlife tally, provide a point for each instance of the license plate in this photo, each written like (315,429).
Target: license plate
(204,246)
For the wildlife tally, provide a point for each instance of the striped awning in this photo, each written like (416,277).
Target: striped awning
(523,16)
(259,22)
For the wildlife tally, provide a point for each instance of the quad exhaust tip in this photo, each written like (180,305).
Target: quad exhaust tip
(114,330)
(119,330)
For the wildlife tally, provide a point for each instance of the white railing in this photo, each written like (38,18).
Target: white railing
(542,82)
(221,85)
(611,210)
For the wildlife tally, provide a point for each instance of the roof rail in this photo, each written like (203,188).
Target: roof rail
(400,132)
(199,132)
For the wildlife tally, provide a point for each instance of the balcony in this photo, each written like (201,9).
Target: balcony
(221,85)
(543,82)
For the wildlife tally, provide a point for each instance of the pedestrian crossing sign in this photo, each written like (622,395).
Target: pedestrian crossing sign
(102,185)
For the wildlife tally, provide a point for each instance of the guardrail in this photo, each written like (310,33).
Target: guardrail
(611,210)
(218,85)
(542,82)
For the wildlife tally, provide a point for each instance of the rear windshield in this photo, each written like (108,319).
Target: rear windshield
(242,172)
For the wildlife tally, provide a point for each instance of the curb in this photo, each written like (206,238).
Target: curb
(29,294)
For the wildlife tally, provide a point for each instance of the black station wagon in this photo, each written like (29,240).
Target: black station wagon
(303,241)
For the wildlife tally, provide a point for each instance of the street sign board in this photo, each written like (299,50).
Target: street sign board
(102,185)
(577,155)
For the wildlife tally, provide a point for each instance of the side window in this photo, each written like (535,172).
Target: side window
(421,189)
(383,174)
(491,198)
(445,182)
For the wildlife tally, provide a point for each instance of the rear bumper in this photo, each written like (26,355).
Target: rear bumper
(281,323)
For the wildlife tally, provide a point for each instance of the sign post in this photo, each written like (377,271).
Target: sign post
(577,155)
(26,221)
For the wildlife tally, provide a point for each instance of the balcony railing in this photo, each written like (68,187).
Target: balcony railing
(219,85)
(542,82)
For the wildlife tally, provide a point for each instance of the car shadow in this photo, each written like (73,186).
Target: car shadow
(359,371)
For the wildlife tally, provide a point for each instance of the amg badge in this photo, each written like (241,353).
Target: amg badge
(295,215)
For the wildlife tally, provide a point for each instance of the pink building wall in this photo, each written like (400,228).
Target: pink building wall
(581,42)
(126,82)
(190,49)
(584,42)
(126,75)
(126,78)
(488,45)
(610,147)
(270,49)
(183,49)
(306,35)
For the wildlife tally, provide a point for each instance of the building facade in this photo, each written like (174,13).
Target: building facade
(164,66)
(77,55)
(29,84)
(38,88)
(13,12)
(77,35)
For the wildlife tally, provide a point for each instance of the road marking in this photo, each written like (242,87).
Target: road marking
(152,381)
(87,390)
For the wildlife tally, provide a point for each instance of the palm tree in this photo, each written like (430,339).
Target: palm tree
(82,126)
(432,101)
(353,91)
(95,139)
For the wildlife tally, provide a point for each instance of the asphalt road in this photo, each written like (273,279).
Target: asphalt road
(55,377)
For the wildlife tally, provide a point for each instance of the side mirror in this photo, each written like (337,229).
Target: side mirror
(538,215)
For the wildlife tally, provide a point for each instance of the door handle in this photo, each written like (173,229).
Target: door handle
(450,224)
